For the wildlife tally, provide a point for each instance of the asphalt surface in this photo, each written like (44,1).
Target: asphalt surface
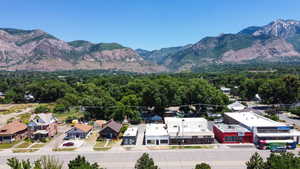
(284,116)
(222,158)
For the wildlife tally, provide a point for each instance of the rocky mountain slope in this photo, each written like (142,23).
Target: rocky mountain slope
(278,41)
(38,50)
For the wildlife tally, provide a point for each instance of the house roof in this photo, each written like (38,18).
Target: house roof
(113,125)
(12,128)
(236,106)
(83,127)
(100,122)
(46,117)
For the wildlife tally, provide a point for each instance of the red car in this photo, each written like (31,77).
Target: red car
(68,144)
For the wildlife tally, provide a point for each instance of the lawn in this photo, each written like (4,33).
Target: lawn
(100,143)
(24,144)
(39,145)
(24,150)
(102,148)
(7,145)
(64,116)
(63,149)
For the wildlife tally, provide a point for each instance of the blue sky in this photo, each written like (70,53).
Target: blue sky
(147,24)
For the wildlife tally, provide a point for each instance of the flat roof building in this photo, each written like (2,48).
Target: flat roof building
(232,133)
(188,130)
(265,131)
(130,135)
(156,134)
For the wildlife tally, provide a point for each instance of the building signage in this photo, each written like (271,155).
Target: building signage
(283,128)
(241,134)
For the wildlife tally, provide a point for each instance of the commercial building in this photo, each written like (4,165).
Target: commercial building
(156,134)
(188,131)
(232,133)
(266,132)
(130,135)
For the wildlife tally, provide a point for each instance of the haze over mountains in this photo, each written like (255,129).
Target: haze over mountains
(278,41)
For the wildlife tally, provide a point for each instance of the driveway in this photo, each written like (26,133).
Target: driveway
(57,140)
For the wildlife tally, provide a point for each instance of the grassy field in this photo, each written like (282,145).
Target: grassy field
(39,145)
(102,148)
(100,143)
(64,116)
(24,144)
(7,145)
(24,150)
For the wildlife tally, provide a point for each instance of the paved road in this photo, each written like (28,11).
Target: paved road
(284,116)
(166,159)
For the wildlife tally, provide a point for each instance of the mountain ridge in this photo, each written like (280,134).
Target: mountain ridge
(278,41)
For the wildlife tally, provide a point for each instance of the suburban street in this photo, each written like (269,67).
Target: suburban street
(222,158)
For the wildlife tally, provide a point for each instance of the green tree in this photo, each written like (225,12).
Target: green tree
(145,162)
(81,163)
(203,166)
(282,160)
(255,162)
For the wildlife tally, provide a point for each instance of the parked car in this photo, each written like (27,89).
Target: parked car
(68,144)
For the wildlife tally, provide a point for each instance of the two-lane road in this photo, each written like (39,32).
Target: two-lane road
(229,158)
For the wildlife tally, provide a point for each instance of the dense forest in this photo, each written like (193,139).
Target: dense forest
(105,95)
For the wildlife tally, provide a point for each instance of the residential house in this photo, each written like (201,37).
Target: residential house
(99,124)
(111,129)
(236,106)
(13,131)
(42,125)
(79,130)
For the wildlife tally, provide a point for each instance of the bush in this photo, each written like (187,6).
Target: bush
(41,109)
(59,108)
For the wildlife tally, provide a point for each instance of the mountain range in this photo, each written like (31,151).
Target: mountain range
(278,41)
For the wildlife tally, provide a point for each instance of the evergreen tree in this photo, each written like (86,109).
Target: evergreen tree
(203,166)
(255,162)
(81,163)
(145,162)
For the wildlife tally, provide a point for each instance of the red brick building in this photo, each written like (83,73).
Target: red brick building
(232,133)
